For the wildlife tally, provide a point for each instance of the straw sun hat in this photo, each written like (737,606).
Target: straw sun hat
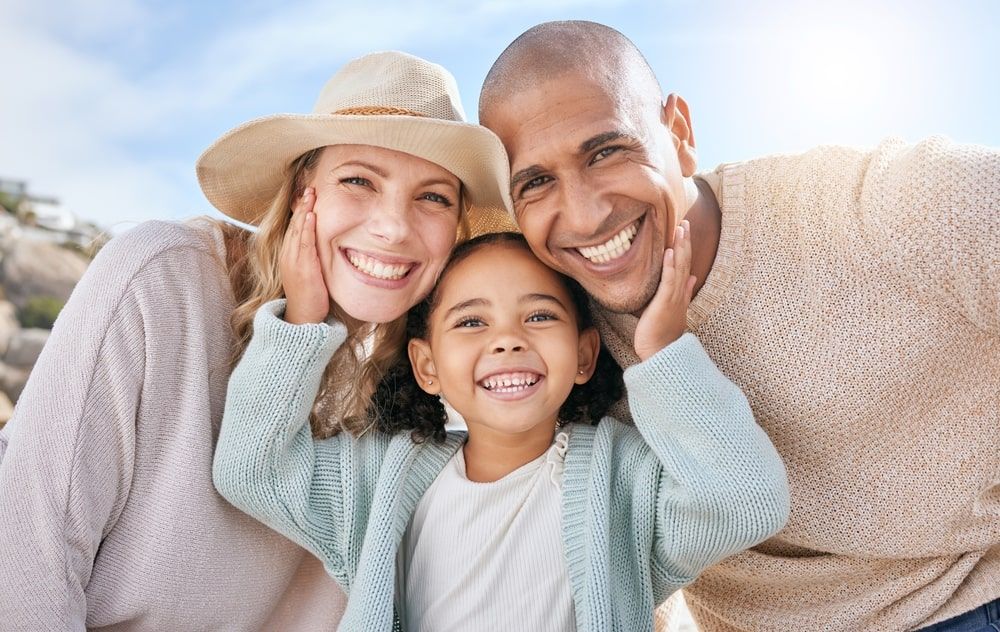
(388,99)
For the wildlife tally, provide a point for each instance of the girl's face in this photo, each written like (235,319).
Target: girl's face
(504,348)
(385,224)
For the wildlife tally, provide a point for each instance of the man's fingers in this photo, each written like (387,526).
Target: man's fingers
(682,247)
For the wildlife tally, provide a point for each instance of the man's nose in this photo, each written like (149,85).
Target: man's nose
(581,209)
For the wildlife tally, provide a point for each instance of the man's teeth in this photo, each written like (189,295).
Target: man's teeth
(612,248)
(509,382)
(377,269)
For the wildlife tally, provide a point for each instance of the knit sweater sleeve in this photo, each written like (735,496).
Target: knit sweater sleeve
(722,486)
(67,469)
(266,461)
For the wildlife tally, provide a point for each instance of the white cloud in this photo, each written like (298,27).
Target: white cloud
(73,114)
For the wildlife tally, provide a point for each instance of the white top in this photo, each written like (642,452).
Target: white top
(489,556)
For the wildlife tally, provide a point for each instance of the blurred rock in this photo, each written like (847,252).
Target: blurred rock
(8,324)
(35,268)
(24,347)
(12,380)
(6,409)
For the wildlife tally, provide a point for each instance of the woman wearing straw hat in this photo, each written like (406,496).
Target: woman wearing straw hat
(108,517)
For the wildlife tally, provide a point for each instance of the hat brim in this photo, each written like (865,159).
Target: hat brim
(242,171)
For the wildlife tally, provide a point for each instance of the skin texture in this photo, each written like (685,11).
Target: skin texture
(384,205)
(501,310)
(588,163)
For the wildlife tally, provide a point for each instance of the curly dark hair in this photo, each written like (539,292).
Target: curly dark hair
(399,404)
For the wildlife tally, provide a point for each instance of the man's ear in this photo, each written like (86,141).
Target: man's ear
(586,359)
(677,119)
(422,362)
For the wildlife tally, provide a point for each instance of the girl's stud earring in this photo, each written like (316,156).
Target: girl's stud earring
(429,382)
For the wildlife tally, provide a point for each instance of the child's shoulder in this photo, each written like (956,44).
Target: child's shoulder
(614,435)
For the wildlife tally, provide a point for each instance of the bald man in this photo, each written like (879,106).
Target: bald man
(853,295)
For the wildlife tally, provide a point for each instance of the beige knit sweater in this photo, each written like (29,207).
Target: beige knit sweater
(108,516)
(855,298)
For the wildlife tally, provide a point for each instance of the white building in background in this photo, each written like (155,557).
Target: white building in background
(50,222)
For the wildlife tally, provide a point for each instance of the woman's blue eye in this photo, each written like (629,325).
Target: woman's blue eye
(365,182)
(438,198)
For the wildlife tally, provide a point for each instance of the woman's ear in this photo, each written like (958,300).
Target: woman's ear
(586,360)
(422,362)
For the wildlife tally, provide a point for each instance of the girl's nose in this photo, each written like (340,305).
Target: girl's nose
(508,339)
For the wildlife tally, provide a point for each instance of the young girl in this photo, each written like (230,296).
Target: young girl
(535,519)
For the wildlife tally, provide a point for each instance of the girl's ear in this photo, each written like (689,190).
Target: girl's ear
(422,362)
(587,350)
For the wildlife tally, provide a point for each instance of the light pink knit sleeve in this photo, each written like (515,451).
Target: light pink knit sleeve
(66,471)
(938,203)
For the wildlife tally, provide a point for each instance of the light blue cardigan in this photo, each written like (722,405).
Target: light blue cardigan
(644,508)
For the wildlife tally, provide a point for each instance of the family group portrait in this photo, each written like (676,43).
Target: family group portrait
(437,317)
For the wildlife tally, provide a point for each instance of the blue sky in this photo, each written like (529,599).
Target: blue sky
(106,104)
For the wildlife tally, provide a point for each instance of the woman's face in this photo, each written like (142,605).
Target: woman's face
(385,224)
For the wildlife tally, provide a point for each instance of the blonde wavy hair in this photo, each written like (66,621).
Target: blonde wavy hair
(353,373)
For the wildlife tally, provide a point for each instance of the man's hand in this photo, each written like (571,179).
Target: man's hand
(299,266)
(665,318)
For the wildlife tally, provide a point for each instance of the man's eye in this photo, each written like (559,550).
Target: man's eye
(534,183)
(604,153)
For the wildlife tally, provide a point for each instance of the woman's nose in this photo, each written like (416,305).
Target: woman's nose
(390,221)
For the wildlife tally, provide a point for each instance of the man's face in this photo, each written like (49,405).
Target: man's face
(596,184)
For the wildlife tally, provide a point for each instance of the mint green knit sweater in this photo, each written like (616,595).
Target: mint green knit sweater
(644,508)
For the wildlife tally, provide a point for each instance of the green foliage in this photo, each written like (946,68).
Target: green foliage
(8,202)
(40,311)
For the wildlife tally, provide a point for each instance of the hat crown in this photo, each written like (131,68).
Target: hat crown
(395,80)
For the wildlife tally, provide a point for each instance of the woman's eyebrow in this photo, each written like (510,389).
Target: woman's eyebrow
(367,165)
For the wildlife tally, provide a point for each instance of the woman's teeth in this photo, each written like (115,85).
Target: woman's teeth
(509,382)
(375,268)
(612,248)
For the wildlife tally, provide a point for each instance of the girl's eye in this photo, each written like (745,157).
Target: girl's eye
(469,322)
(605,152)
(437,198)
(358,180)
(539,317)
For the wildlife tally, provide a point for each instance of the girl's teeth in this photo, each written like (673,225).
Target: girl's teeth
(377,269)
(612,248)
(509,383)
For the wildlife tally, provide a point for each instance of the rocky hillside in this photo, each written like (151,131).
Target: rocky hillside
(36,278)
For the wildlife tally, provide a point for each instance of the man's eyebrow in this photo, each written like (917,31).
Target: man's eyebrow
(594,142)
(472,302)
